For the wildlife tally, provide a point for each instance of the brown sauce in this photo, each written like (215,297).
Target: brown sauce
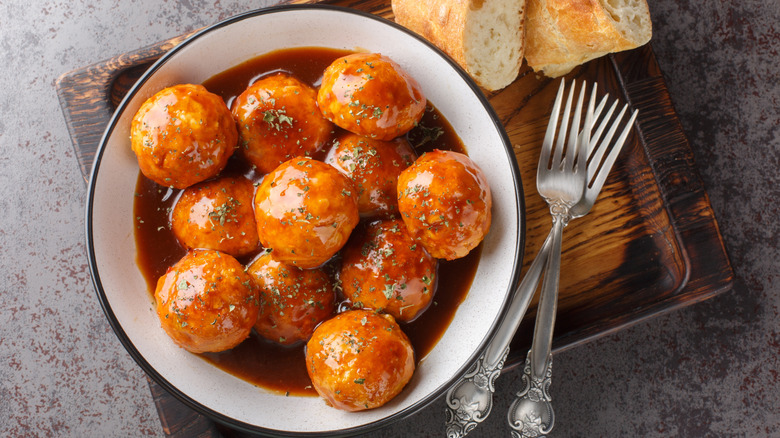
(264,363)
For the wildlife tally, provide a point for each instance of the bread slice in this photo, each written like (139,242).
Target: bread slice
(562,34)
(485,37)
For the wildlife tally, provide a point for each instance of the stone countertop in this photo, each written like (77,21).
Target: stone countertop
(711,369)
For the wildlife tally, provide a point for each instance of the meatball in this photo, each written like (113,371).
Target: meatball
(359,360)
(206,302)
(374,166)
(217,215)
(183,135)
(445,202)
(305,211)
(385,270)
(278,119)
(292,301)
(370,95)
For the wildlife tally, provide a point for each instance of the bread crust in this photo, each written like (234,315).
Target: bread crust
(562,34)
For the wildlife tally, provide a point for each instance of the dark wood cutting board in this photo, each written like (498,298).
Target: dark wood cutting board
(651,243)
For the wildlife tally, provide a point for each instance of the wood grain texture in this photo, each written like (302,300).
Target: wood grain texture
(651,243)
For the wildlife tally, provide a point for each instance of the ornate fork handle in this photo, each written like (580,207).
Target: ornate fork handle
(526,423)
(470,401)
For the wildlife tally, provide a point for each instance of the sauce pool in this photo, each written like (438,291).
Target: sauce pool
(263,363)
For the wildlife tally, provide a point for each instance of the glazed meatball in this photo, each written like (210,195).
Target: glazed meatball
(206,302)
(373,166)
(183,135)
(217,215)
(445,202)
(370,95)
(359,360)
(305,211)
(385,270)
(292,301)
(278,119)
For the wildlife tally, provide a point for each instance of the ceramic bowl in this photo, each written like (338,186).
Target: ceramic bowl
(122,289)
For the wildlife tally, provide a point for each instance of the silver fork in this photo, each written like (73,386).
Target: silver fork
(470,400)
(531,413)
(561,181)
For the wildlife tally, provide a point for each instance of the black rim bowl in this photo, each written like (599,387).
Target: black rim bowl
(226,420)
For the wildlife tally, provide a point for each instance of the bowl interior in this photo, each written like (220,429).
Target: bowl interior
(123,291)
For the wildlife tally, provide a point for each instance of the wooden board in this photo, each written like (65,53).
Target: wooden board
(651,243)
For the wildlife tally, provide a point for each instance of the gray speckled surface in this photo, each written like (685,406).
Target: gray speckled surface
(711,369)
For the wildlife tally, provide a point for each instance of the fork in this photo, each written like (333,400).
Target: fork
(470,401)
(561,180)
(531,413)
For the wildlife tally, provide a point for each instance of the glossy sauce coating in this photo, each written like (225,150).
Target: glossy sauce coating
(359,360)
(373,166)
(278,119)
(183,135)
(206,302)
(383,269)
(278,368)
(217,214)
(445,202)
(305,211)
(292,300)
(370,95)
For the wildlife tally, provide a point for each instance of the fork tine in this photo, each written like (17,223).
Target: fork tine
(549,136)
(572,150)
(596,115)
(564,129)
(600,107)
(583,140)
(603,145)
(604,122)
(598,183)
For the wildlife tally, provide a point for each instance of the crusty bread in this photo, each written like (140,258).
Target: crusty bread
(484,36)
(562,34)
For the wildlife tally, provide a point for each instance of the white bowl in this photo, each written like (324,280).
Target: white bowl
(122,289)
